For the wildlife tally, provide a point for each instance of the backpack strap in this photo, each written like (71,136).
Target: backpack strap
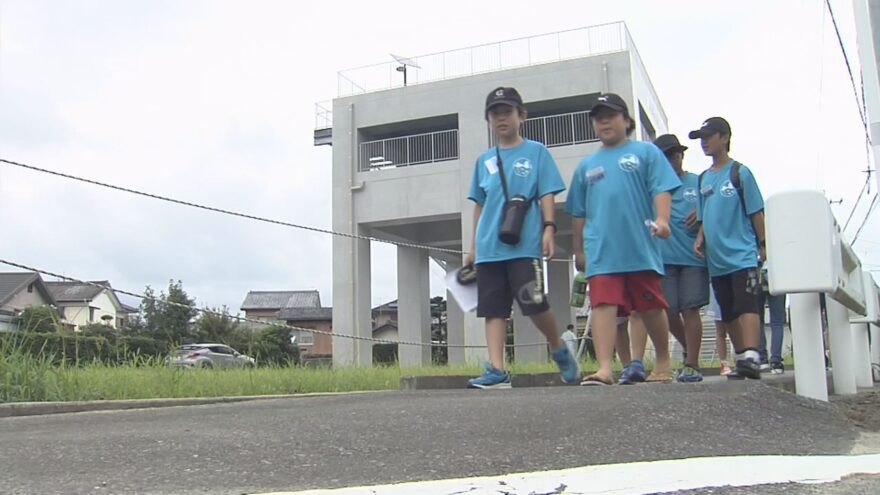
(737,184)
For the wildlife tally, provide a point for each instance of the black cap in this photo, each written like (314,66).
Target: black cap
(712,125)
(669,142)
(612,101)
(503,96)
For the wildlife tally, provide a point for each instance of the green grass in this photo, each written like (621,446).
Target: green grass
(27,378)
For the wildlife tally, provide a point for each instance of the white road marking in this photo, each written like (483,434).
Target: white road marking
(637,478)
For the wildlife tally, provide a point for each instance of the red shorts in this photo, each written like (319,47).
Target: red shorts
(636,291)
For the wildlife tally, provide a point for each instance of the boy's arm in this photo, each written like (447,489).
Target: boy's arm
(471,255)
(758,225)
(548,210)
(577,242)
(662,205)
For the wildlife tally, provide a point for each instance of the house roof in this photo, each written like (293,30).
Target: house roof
(274,300)
(306,314)
(390,306)
(129,309)
(74,291)
(13,283)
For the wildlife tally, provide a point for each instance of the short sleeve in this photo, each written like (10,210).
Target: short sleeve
(549,179)
(576,204)
(476,193)
(751,192)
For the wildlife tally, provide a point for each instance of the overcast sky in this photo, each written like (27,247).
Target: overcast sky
(213,102)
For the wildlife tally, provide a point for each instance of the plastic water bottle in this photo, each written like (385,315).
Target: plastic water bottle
(579,290)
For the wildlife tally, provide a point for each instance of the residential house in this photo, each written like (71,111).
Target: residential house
(313,347)
(267,305)
(19,291)
(84,303)
(385,321)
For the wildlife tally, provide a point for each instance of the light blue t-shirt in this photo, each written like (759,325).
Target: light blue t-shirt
(614,189)
(530,171)
(679,248)
(729,237)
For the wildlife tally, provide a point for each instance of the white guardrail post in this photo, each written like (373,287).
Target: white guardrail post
(862,327)
(809,256)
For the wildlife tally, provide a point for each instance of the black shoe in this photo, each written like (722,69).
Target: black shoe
(745,368)
(777,368)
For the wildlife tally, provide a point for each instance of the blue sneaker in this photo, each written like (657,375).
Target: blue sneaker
(492,377)
(633,373)
(569,369)
(689,374)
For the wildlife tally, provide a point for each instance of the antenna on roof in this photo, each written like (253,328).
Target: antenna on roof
(404,63)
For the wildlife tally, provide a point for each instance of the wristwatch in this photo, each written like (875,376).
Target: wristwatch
(550,224)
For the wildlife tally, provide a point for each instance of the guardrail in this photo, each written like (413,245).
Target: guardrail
(809,255)
(410,150)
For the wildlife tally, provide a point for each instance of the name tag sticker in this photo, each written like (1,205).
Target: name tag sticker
(491,165)
(595,175)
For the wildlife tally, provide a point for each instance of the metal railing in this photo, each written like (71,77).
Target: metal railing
(558,130)
(324,115)
(404,151)
(522,52)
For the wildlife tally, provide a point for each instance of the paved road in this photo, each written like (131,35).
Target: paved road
(328,442)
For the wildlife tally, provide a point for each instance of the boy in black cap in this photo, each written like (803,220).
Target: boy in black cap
(686,283)
(731,237)
(619,200)
(508,269)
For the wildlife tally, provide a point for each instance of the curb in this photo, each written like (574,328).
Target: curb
(18,409)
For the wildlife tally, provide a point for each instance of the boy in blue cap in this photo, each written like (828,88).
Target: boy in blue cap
(731,238)
(515,167)
(620,201)
(686,283)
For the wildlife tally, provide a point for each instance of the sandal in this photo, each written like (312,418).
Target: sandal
(594,380)
(659,377)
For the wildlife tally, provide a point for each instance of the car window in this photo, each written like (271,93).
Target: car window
(219,349)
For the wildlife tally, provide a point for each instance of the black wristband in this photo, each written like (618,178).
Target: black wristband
(550,224)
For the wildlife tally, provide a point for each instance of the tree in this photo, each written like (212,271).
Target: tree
(216,325)
(40,319)
(169,321)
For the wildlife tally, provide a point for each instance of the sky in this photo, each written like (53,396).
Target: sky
(213,102)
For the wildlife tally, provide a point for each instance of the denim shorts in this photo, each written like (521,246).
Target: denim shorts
(685,287)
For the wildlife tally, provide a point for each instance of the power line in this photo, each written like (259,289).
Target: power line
(243,215)
(858,200)
(228,212)
(249,320)
(867,216)
(852,78)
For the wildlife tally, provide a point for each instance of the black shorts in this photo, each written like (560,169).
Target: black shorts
(499,282)
(737,293)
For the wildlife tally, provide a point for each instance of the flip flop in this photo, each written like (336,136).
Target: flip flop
(594,380)
(659,377)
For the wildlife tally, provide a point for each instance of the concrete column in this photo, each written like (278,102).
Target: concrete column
(454,319)
(351,302)
(524,332)
(807,346)
(413,306)
(875,351)
(474,328)
(862,352)
(842,356)
(559,279)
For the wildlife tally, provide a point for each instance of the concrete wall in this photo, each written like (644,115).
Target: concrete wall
(365,201)
(323,344)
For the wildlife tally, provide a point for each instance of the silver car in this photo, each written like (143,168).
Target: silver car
(209,356)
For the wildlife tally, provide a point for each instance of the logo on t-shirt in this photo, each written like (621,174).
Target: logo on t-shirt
(629,162)
(522,167)
(690,194)
(727,189)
